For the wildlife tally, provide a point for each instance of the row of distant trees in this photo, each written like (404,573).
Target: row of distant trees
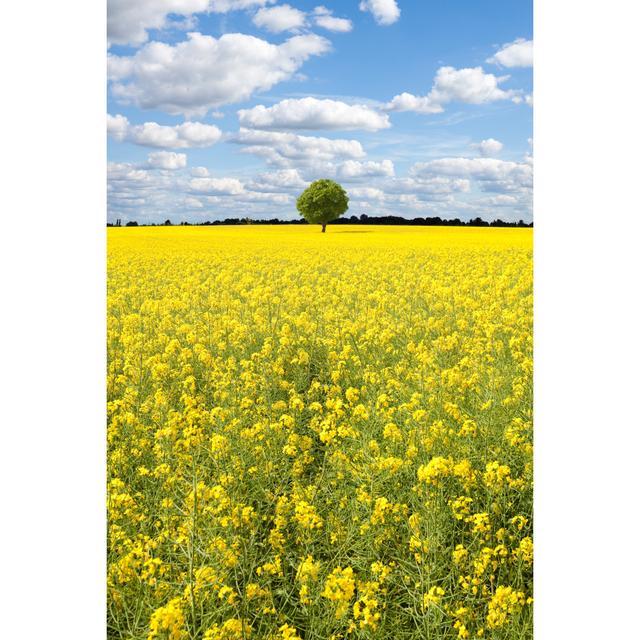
(363,219)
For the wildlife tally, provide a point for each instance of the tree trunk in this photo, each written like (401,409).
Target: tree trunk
(324,228)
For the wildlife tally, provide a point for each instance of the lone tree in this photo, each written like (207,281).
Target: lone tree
(322,201)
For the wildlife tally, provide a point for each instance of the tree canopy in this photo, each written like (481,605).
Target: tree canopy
(322,201)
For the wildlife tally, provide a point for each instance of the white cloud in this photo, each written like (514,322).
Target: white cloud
(217,186)
(131,187)
(225,6)
(188,23)
(152,134)
(414,193)
(282,148)
(408,102)
(471,86)
(407,199)
(410,193)
(428,185)
(439,187)
(280,18)
(202,72)
(193,203)
(367,193)
(385,12)
(166,160)
(353,169)
(219,191)
(128,21)
(274,198)
(489,147)
(117,127)
(325,19)
(500,201)
(311,113)
(283,180)
(527,99)
(518,53)
(494,175)
(127,173)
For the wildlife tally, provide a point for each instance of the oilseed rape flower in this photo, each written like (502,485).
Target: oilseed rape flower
(319,439)
(168,621)
(496,475)
(459,554)
(308,570)
(286,632)
(503,603)
(433,597)
(306,574)
(436,469)
(232,629)
(524,550)
(306,516)
(365,609)
(339,587)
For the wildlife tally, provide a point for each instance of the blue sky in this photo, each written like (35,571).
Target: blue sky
(229,108)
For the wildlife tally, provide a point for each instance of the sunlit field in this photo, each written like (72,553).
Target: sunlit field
(319,436)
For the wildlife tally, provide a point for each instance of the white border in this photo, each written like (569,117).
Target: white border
(586,320)
(53,319)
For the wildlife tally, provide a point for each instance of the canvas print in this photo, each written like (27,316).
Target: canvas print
(319,317)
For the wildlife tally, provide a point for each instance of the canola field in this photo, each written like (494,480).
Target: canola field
(319,436)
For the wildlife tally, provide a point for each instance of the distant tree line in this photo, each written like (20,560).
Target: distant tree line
(363,219)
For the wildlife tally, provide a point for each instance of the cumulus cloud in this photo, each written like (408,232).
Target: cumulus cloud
(325,19)
(311,113)
(518,53)
(385,12)
(412,193)
(438,187)
(489,147)
(366,193)
(287,18)
(273,198)
(128,22)
(232,191)
(193,203)
(202,72)
(500,201)
(166,160)
(353,169)
(131,187)
(428,185)
(493,174)
(217,186)
(470,85)
(280,18)
(225,6)
(283,180)
(152,134)
(409,102)
(117,127)
(283,148)
(128,173)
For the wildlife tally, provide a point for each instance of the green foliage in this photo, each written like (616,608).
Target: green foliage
(322,201)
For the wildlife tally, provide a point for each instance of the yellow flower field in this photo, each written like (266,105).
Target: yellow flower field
(319,436)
